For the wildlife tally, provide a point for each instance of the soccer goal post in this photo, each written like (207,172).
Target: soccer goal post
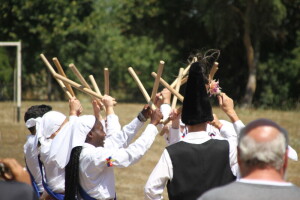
(19,84)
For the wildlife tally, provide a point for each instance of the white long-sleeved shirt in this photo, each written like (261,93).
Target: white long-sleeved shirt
(227,131)
(163,171)
(121,139)
(55,175)
(31,157)
(97,176)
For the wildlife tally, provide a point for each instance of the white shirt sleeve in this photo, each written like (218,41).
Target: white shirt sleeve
(122,138)
(159,177)
(233,155)
(113,125)
(124,157)
(238,126)
(174,136)
(227,130)
(165,110)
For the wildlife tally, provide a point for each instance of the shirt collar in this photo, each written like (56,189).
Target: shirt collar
(85,145)
(264,182)
(203,135)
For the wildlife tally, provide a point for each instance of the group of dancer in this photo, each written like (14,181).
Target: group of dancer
(73,157)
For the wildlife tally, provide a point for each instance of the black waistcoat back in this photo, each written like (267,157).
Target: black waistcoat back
(198,168)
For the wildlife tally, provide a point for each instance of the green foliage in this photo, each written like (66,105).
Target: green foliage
(6,76)
(121,33)
(278,80)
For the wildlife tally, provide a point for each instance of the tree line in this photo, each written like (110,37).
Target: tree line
(259,42)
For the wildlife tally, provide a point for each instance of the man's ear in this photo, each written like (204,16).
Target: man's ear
(285,160)
(90,135)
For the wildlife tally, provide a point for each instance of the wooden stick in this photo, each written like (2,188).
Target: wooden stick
(106,81)
(61,72)
(184,80)
(141,87)
(174,101)
(94,84)
(166,121)
(213,71)
(78,86)
(80,77)
(62,85)
(186,70)
(96,88)
(156,82)
(166,85)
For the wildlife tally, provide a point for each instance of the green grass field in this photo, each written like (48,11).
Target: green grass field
(130,181)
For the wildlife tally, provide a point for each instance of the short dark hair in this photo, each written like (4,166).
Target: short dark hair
(36,111)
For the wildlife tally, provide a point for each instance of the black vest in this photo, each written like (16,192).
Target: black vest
(198,168)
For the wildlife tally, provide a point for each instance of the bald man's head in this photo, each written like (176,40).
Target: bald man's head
(263,143)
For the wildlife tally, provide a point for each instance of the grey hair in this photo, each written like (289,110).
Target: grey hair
(263,154)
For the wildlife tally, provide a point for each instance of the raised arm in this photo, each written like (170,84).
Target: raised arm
(75,107)
(122,138)
(124,157)
(227,105)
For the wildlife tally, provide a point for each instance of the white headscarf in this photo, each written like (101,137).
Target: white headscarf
(30,122)
(73,135)
(47,125)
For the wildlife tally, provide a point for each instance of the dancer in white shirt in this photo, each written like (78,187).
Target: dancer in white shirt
(189,153)
(96,158)
(30,150)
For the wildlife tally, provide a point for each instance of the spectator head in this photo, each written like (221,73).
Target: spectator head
(262,144)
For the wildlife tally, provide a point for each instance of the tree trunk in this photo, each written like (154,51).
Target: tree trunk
(49,86)
(252,60)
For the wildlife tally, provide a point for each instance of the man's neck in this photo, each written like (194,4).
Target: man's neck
(267,174)
(197,127)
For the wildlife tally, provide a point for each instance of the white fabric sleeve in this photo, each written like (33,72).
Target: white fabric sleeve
(233,156)
(159,177)
(292,153)
(174,136)
(122,138)
(238,126)
(227,130)
(113,125)
(165,110)
(125,157)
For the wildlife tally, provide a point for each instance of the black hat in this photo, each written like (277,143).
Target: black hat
(196,105)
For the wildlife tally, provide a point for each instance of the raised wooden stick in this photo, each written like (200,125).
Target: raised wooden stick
(174,101)
(106,81)
(61,72)
(78,86)
(166,85)
(141,87)
(96,88)
(186,70)
(62,85)
(94,84)
(213,71)
(156,82)
(184,80)
(80,77)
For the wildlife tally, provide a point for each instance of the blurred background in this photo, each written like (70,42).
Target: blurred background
(259,42)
